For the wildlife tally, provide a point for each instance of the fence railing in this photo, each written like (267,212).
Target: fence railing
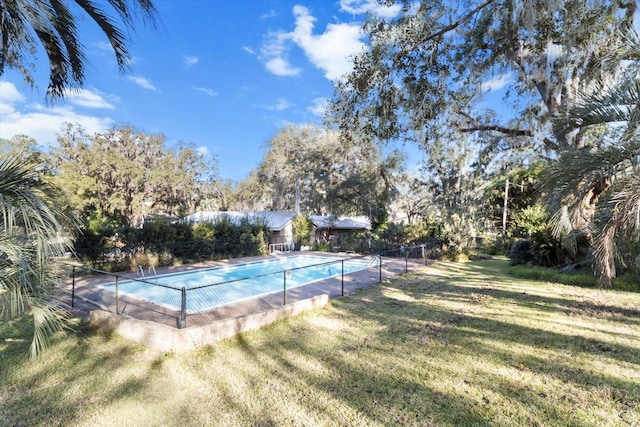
(149,299)
(281,247)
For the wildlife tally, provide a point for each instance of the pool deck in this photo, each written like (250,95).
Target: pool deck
(156,326)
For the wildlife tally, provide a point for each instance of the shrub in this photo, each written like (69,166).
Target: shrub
(302,226)
(520,252)
(322,246)
(529,221)
(140,260)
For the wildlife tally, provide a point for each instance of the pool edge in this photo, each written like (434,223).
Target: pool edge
(163,338)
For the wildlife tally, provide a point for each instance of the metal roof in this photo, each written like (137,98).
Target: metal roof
(277,220)
(341,222)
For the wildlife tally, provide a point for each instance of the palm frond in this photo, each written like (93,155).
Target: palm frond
(47,320)
(116,37)
(31,220)
(623,221)
(607,103)
(617,100)
(54,26)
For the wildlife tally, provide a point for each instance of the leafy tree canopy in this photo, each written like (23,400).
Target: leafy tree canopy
(127,174)
(427,73)
(435,62)
(332,176)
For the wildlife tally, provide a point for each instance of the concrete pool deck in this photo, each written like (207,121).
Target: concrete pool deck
(156,326)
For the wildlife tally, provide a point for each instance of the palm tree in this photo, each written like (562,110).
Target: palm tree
(31,224)
(23,23)
(598,187)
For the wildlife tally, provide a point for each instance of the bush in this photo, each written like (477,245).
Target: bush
(628,281)
(302,226)
(140,260)
(160,243)
(520,252)
(547,250)
(322,246)
(529,221)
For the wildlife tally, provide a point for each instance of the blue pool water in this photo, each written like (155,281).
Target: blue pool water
(241,281)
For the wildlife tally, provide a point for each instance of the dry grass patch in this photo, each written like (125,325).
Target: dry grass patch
(453,344)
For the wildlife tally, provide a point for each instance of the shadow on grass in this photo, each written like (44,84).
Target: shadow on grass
(465,274)
(399,397)
(402,357)
(48,390)
(376,397)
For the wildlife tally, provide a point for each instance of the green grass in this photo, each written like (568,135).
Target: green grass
(581,278)
(453,344)
(628,281)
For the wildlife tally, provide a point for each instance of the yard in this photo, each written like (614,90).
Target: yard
(452,344)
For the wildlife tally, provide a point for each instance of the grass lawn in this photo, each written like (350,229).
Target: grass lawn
(453,344)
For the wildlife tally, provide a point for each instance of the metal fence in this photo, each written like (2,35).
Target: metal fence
(178,305)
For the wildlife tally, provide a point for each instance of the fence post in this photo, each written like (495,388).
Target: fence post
(284,291)
(73,286)
(406,262)
(342,261)
(183,308)
(117,294)
(380,266)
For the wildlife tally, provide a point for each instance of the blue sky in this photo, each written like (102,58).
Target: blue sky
(224,75)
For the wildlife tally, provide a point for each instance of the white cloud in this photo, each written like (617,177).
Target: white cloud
(88,99)
(274,54)
(142,82)
(329,51)
(358,7)
(104,46)
(206,90)
(281,105)
(9,94)
(281,67)
(319,106)
(248,50)
(41,122)
(497,82)
(270,14)
(190,61)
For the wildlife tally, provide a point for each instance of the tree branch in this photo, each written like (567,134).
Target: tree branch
(475,126)
(452,26)
(497,128)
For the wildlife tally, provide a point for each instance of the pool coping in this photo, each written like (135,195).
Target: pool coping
(164,338)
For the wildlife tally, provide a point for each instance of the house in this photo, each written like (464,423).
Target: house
(329,228)
(325,227)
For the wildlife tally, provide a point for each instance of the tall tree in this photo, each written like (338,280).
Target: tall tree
(435,64)
(53,24)
(126,174)
(603,176)
(33,228)
(250,195)
(329,175)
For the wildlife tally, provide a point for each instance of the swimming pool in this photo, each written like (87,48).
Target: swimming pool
(214,287)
